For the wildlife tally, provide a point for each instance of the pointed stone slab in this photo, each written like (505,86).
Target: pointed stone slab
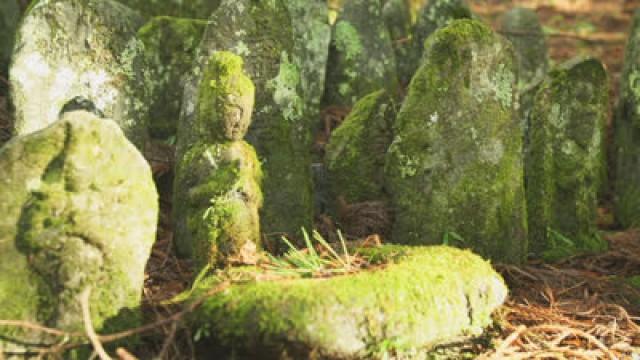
(455,168)
(87,49)
(565,159)
(79,210)
(522,27)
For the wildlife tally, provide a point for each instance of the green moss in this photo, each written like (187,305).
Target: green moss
(169,52)
(634,281)
(357,148)
(565,156)
(81,219)
(195,9)
(412,304)
(455,164)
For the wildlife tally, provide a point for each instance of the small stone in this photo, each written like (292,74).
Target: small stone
(355,155)
(170,46)
(79,210)
(261,32)
(78,48)
(361,58)
(455,168)
(437,14)
(565,159)
(217,187)
(522,27)
(627,140)
(423,297)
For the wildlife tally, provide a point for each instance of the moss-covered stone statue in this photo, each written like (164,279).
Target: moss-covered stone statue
(194,9)
(9,17)
(421,298)
(217,187)
(522,27)
(355,155)
(70,48)
(361,58)
(565,159)
(170,46)
(455,167)
(436,14)
(261,33)
(79,210)
(627,135)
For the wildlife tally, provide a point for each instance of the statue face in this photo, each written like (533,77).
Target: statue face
(236,116)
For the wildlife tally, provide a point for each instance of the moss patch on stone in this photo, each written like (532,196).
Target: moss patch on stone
(411,304)
(194,9)
(455,165)
(565,159)
(355,155)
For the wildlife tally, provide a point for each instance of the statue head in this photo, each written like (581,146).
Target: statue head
(226,98)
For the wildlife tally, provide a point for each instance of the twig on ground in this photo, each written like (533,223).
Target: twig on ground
(88,325)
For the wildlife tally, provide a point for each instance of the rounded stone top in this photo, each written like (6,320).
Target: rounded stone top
(227,97)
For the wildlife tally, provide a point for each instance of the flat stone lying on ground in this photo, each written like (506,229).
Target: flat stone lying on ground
(68,49)
(421,298)
(79,211)
(455,167)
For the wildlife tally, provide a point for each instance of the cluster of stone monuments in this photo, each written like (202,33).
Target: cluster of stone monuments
(489,147)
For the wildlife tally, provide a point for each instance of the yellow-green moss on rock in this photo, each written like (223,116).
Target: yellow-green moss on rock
(78,48)
(217,186)
(565,158)
(423,297)
(355,155)
(361,57)
(261,33)
(435,15)
(455,165)
(79,210)
(169,53)
(627,134)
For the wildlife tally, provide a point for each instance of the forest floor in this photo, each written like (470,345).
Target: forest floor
(579,308)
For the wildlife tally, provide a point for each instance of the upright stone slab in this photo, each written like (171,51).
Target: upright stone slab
(312,35)
(194,9)
(356,152)
(627,135)
(397,16)
(9,17)
(217,187)
(78,48)
(361,59)
(436,14)
(522,27)
(170,46)
(79,210)
(565,159)
(455,167)
(261,33)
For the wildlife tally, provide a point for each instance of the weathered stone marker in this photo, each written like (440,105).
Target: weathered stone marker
(355,155)
(79,210)
(436,14)
(217,187)
(522,27)
(627,135)
(361,59)
(72,48)
(455,167)
(565,158)
(261,33)
(170,46)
